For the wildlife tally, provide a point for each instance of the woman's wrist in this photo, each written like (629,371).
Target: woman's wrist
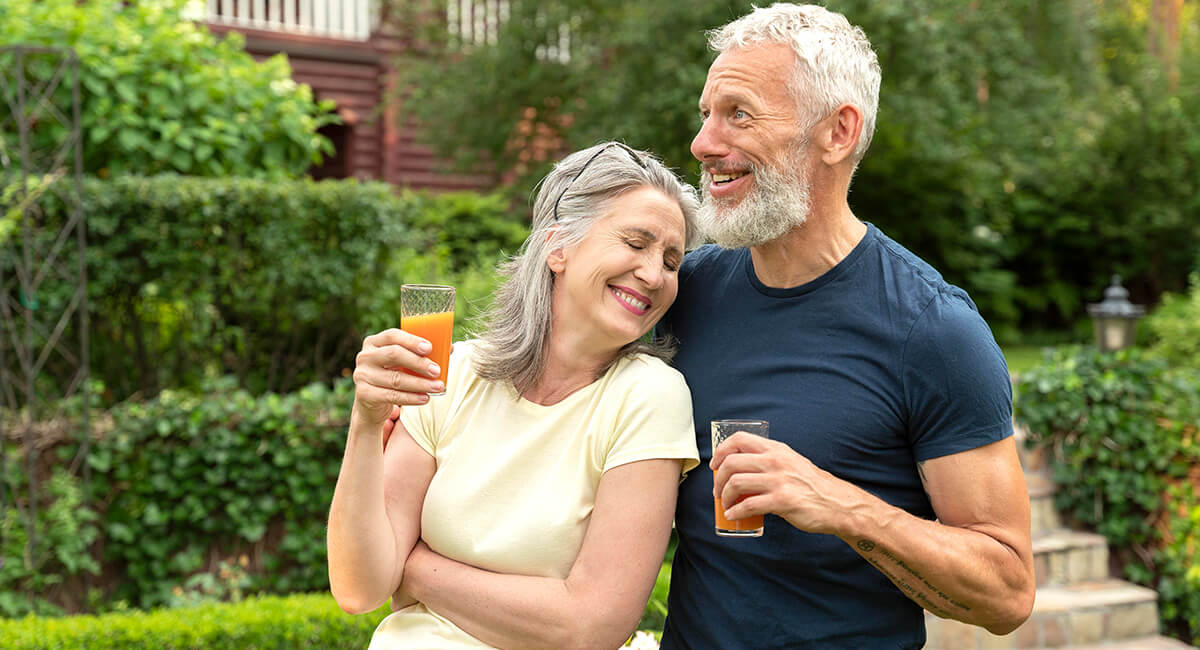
(362,422)
(414,570)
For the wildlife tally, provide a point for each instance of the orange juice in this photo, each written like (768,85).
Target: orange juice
(744,527)
(437,329)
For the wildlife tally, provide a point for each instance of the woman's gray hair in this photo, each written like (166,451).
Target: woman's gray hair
(572,196)
(835,64)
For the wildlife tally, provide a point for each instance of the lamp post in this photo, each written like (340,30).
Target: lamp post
(1114,319)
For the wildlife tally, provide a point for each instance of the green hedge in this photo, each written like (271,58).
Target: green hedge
(302,621)
(1123,434)
(274,282)
(196,484)
(193,496)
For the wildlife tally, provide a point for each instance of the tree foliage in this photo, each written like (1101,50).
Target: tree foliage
(1027,149)
(160,93)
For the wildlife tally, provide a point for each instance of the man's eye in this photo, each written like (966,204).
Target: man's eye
(740,114)
(635,245)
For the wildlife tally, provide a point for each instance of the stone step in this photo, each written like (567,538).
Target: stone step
(1043,515)
(1090,613)
(1033,459)
(1067,557)
(1144,643)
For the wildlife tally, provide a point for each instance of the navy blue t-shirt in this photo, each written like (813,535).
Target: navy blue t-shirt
(870,368)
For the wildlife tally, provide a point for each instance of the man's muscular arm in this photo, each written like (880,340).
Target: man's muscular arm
(975,564)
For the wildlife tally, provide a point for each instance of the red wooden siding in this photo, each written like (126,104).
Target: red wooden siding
(380,144)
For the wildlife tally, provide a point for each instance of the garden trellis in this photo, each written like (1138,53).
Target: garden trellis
(43,274)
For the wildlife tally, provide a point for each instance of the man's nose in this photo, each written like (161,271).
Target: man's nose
(709,141)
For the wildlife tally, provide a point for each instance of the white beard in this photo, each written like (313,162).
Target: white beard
(775,205)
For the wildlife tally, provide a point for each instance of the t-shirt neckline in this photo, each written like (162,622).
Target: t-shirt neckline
(825,278)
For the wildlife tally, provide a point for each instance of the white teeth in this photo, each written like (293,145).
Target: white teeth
(630,300)
(721,178)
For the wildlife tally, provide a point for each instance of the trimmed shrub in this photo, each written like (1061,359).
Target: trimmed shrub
(275,283)
(302,621)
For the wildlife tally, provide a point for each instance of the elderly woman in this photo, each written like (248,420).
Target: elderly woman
(530,505)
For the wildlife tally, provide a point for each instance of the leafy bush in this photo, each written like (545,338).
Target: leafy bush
(193,497)
(200,497)
(273,282)
(160,93)
(301,621)
(464,228)
(219,483)
(1179,568)
(1122,432)
(31,577)
(1174,327)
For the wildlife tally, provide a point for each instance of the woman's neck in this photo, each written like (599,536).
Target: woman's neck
(570,365)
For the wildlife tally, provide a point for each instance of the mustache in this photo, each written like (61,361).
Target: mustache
(722,167)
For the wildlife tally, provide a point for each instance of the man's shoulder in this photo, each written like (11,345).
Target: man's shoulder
(917,279)
(707,258)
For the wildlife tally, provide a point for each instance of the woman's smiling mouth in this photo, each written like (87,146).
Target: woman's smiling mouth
(632,300)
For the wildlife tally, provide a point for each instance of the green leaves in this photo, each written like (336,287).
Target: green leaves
(154,84)
(1010,152)
(1121,430)
(215,472)
(300,621)
(66,531)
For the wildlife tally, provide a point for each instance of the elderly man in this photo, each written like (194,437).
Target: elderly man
(891,470)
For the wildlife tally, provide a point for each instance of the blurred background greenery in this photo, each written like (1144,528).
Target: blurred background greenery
(1027,149)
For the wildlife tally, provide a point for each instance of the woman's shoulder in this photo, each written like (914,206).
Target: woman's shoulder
(648,372)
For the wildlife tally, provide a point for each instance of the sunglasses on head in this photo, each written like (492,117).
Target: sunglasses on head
(632,154)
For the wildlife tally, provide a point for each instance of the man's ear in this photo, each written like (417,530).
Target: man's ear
(844,128)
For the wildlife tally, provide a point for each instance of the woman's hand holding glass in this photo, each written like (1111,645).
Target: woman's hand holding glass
(392,370)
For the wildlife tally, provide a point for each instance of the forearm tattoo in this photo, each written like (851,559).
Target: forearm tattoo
(912,583)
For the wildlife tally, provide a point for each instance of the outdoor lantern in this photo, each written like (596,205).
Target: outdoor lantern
(1115,318)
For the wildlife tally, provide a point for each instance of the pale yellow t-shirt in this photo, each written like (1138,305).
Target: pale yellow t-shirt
(516,481)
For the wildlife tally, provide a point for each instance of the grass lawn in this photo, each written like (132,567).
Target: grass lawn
(1022,357)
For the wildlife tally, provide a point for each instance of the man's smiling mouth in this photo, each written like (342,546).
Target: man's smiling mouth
(721,179)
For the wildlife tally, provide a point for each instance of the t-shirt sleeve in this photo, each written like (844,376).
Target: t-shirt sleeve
(419,422)
(423,422)
(654,418)
(956,381)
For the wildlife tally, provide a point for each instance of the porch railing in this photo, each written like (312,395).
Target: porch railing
(343,19)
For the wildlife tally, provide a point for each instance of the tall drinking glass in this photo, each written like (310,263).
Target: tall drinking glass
(427,310)
(746,526)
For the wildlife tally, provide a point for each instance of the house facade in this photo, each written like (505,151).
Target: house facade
(346,50)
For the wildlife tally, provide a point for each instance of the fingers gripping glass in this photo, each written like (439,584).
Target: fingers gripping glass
(632,154)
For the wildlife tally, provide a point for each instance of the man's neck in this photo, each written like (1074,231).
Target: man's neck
(806,253)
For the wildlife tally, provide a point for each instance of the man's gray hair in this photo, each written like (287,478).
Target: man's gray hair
(571,198)
(835,64)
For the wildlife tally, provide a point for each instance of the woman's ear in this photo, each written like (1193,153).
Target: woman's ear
(556,259)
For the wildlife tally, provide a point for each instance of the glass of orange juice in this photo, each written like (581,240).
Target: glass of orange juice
(746,526)
(427,310)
